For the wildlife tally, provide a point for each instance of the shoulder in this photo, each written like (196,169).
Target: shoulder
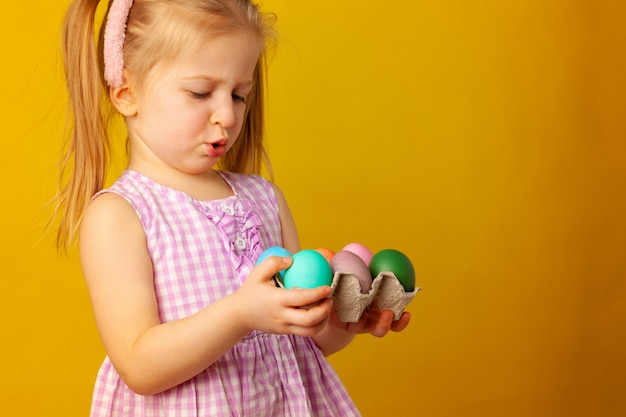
(114,212)
(133,191)
(108,212)
(130,185)
(281,201)
(110,233)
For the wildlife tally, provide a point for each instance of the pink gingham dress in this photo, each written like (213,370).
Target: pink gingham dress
(202,251)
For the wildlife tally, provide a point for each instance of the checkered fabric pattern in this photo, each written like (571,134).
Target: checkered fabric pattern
(202,251)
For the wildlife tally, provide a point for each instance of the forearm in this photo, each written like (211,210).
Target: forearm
(332,340)
(168,354)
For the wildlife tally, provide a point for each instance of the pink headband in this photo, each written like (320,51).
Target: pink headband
(114,34)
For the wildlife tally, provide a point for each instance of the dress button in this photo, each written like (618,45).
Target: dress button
(240,243)
(229,210)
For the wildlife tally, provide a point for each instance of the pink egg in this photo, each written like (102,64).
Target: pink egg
(361,251)
(348,262)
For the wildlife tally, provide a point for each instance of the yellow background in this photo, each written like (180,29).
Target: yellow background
(482,138)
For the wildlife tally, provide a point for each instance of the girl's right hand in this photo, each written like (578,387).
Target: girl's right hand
(261,305)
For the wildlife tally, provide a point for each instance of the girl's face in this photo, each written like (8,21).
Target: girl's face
(192,111)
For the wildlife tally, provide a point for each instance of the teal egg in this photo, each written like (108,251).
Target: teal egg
(309,269)
(391,260)
(275,251)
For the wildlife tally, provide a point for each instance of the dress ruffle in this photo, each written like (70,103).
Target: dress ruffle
(240,230)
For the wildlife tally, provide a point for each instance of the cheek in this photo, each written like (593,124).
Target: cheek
(180,121)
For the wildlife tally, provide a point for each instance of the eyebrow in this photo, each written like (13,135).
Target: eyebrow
(248,83)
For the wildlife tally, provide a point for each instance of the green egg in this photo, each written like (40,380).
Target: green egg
(391,260)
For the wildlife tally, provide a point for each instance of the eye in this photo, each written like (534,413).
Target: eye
(239,98)
(198,95)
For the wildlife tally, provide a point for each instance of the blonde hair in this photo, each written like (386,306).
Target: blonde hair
(158,32)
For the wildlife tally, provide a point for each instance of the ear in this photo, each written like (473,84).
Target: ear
(124,99)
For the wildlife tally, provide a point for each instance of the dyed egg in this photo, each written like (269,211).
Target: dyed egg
(309,269)
(326,253)
(275,251)
(391,260)
(350,263)
(361,250)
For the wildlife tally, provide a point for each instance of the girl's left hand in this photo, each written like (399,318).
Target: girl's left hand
(338,334)
(373,321)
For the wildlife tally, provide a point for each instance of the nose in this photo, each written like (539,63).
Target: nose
(223,113)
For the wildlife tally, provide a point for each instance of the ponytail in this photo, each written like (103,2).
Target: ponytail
(85,159)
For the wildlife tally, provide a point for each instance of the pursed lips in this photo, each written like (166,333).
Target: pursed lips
(216,149)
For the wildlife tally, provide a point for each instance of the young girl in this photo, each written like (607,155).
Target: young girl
(190,325)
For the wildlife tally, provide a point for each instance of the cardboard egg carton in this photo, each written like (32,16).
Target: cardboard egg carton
(386,291)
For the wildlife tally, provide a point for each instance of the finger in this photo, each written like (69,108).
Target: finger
(381,326)
(300,297)
(401,323)
(306,331)
(311,316)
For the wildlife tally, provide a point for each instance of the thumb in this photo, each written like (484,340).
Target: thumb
(269,267)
